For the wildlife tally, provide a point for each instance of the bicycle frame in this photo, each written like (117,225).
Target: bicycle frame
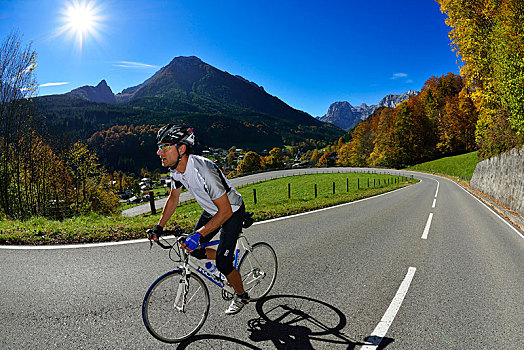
(191,264)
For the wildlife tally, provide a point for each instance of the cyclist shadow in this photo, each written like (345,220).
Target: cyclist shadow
(293,322)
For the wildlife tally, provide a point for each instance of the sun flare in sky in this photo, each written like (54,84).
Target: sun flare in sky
(81,21)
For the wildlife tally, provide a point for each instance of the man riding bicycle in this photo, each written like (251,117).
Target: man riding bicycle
(223,206)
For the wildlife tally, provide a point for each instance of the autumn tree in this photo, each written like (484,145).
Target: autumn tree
(17,86)
(231,159)
(326,160)
(275,159)
(344,155)
(358,150)
(91,192)
(457,125)
(315,156)
(488,37)
(252,162)
(44,186)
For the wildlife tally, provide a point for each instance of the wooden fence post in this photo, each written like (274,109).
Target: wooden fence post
(315,190)
(152,202)
(289,191)
(255,195)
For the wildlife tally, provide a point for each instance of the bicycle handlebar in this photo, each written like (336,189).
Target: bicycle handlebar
(164,246)
(178,233)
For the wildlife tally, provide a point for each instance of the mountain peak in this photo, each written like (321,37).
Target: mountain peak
(102,84)
(185,60)
(345,116)
(100,93)
(393,100)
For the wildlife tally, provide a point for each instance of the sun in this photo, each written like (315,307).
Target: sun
(81,20)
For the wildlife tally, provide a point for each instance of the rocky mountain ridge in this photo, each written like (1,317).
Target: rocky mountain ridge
(100,93)
(346,116)
(180,67)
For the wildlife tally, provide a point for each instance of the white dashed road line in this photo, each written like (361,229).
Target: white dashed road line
(428,225)
(383,326)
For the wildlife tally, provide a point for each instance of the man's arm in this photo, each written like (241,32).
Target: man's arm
(170,206)
(223,214)
(167,212)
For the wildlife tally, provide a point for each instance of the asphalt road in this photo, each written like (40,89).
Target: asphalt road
(351,277)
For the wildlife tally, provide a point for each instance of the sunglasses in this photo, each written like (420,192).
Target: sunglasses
(164,148)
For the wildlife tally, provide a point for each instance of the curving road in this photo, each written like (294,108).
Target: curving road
(424,267)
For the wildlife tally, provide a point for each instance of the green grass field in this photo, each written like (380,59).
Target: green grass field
(272,202)
(462,165)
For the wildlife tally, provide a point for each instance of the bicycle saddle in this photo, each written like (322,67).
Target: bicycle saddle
(248,219)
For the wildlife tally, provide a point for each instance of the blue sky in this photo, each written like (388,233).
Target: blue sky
(308,53)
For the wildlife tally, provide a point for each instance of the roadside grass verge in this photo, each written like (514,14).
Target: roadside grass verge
(272,202)
(457,166)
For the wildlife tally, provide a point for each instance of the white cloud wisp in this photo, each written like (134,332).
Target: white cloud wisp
(54,84)
(398,75)
(134,65)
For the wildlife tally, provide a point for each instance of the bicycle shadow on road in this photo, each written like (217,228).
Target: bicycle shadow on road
(208,340)
(294,322)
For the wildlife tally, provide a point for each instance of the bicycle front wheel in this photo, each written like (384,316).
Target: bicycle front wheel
(258,268)
(175,306)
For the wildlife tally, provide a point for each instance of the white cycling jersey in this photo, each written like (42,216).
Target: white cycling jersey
(204,180)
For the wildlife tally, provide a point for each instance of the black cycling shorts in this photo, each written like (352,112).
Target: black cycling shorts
(229,232)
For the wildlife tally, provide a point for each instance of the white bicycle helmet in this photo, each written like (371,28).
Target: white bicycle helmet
(176,134)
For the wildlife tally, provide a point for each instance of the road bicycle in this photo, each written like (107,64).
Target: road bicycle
(176,305)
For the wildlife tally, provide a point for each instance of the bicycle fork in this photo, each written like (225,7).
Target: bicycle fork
(181,293)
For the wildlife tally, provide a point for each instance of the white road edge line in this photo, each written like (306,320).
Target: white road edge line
(434,202)
(142,240)
(428,225)
(383,326)
(491,210)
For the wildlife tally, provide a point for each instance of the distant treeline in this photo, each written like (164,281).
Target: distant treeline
(438,122)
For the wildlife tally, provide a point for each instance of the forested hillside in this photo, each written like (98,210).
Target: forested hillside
(225,110)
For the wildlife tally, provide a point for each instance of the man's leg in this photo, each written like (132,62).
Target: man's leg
(235,280)
(211,254)
(225,257)
(225,254)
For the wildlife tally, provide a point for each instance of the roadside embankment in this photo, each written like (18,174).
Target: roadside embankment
(502,178)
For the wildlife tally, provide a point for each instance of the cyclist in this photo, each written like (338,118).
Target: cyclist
(223,206)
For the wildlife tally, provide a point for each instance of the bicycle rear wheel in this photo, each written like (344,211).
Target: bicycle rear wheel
(173,310)
(258,269)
